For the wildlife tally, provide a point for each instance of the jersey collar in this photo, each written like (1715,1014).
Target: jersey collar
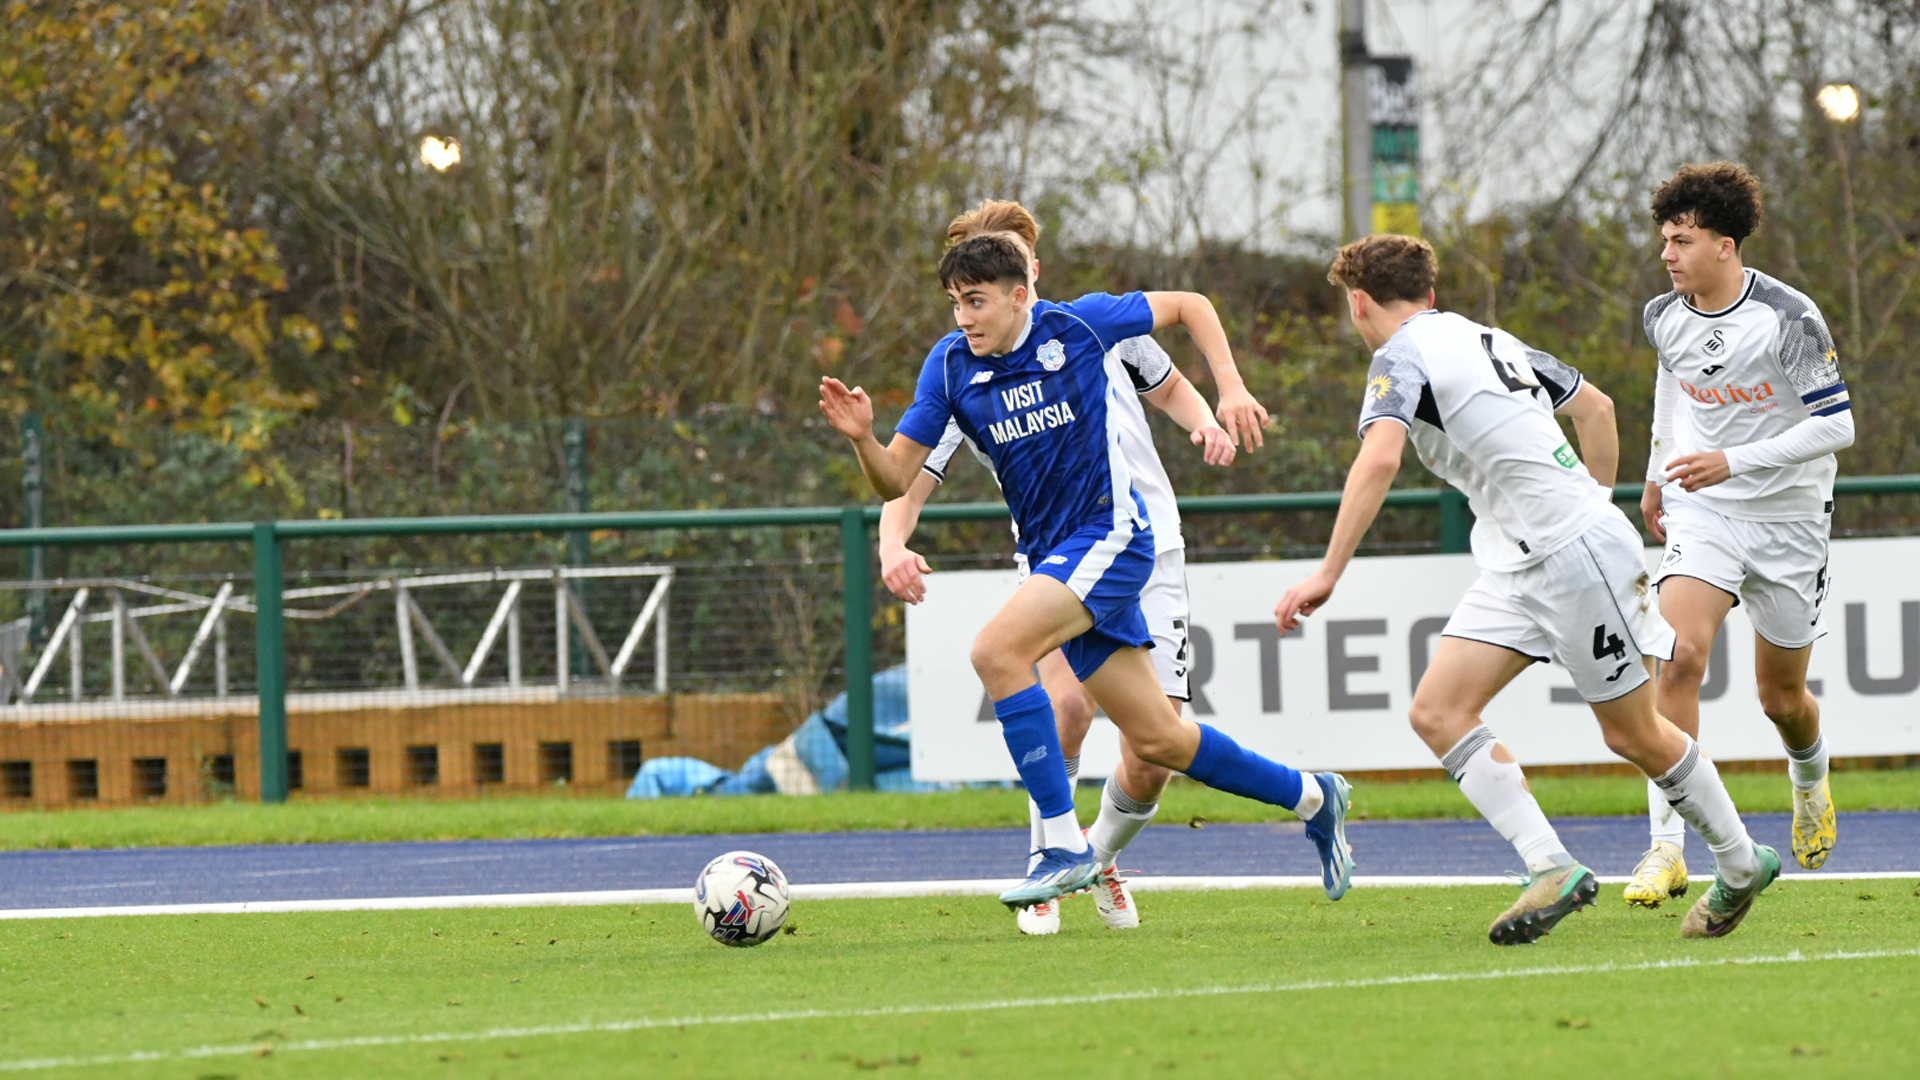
(1745,291)
(1025,332)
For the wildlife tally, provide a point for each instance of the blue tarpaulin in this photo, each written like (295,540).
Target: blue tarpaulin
(817,749)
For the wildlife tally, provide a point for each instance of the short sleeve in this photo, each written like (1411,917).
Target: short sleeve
(943,452)
(1811,363)
(1558,378)
(1806,355)
(1113,319)
(1394,384)
(1650,322)
(932,410)
(1147,364)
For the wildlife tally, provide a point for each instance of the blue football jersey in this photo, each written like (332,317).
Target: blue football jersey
(1042,413)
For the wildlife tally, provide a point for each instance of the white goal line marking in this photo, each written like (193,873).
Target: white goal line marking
(853,890)
(885,1011)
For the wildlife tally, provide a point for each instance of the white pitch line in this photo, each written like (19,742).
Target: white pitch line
(886,1011)
(852,890)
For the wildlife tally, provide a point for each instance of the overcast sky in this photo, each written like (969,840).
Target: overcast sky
(1267,124)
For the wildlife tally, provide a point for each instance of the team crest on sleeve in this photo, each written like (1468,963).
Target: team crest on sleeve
(1053,355)
(1379,387)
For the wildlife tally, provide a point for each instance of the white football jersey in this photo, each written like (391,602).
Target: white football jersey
(1478,405)
(1746,374)
(1143,366)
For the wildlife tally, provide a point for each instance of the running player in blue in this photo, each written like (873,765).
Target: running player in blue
(1026,380)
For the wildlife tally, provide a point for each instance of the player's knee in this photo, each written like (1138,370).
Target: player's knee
(991,660)
(1783,702)
(1623,743)
(1073,714)
(1688,668)
(1431,722)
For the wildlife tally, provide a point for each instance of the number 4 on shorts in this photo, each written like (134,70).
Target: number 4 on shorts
(1605,644)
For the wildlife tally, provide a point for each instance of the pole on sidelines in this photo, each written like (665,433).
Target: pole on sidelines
(1456,522)
(856,583)
(1356,121)
(33,483)
(270,648)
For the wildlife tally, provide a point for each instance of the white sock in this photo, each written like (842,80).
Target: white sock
(1499,791)
(1694,788)
(1063,832)
(1036,835)
(1668,826)
(1312,796)
(1808,767)
(1121,818)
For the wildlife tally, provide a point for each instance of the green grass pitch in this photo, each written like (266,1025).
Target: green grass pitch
(1823,980)
(529,816)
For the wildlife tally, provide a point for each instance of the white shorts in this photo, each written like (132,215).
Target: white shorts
(1164,602)
(1588,605)
(1777,568)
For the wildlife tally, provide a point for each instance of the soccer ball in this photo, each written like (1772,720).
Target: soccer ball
(741,898)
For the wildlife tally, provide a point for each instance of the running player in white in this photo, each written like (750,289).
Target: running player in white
(1028,382)
(1561,575)
(1131,797)
(1748,412)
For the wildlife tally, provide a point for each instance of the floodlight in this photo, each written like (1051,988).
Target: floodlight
(439,154)
(1840,101)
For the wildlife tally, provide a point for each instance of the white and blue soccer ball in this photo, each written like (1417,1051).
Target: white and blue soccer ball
(741,898)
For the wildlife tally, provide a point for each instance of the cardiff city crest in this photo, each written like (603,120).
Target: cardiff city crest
(1052,354)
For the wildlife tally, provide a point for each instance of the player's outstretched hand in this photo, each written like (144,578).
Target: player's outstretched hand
(1216,446)
(1244,418)
(1302,600)
(1653,511)
(1695,471)
(902,574)
(849,411)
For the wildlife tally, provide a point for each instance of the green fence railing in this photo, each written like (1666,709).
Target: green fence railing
(856,553)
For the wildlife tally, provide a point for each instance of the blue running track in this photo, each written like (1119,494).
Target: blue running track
(1869,842)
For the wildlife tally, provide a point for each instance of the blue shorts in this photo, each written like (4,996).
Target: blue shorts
(1106,569)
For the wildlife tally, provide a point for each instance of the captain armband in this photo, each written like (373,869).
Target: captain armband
(1828,400)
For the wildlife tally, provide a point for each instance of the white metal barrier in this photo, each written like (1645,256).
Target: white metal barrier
(410,618)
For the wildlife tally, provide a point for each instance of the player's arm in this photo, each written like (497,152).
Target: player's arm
(900,567)
(1666,399)
(1366,491)
(1181,400)
(891,468)
(1592,414)
(1242,416)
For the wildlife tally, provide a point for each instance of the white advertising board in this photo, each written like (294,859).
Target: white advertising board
(1334,694)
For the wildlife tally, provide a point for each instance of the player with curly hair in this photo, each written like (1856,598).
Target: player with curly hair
(1749,410)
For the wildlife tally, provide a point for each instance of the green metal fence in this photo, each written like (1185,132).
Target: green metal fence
(856,553)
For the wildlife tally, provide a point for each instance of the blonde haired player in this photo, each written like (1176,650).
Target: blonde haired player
(1749,410)
(1560,575)
(1130,798)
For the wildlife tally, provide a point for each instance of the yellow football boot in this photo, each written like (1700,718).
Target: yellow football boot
(1813,825)
(1662,874)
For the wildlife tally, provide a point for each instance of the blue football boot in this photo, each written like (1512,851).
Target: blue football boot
(1328,831)
(1059,873)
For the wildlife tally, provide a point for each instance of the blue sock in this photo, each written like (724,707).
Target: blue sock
(1026,722)
(1222,763)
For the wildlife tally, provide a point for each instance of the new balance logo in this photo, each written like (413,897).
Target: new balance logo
(1054,560)
(1038,753)
(980,377)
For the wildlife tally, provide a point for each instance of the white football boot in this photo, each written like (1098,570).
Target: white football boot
(1041,918)
(1115,901)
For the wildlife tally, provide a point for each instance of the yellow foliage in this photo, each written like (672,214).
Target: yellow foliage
(122,283)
